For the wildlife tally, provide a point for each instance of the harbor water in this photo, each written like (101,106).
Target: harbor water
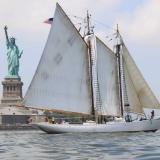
(37,145)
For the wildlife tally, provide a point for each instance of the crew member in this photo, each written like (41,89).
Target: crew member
(152,114)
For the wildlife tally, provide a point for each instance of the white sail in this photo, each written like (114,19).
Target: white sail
(61,81)
(107,78)
(139,94)
(91,40)
(131,93)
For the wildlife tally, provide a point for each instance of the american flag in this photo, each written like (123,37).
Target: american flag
(49,21)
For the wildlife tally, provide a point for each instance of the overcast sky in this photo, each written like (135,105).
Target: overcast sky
(139,23)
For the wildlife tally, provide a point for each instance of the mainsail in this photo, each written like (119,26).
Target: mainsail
(107,77)
(139,94)
(61,81)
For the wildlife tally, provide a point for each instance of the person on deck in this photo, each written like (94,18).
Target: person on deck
(128,118)
(53,121)
(152,114)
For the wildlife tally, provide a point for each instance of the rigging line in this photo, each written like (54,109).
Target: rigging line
(76,16)
(78,24)
(106,26)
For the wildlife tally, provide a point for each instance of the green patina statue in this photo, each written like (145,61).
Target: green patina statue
(13,56)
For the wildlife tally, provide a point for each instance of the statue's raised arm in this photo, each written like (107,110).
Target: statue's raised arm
(7,39)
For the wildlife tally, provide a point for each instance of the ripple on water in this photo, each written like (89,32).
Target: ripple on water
(36,145)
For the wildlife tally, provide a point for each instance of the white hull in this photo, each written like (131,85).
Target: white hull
(135,126)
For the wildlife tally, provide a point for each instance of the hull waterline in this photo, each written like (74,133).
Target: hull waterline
(135,126)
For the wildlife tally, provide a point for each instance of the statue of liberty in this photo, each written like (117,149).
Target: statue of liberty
(13,56)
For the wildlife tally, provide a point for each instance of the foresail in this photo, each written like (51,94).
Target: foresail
(139,94)
(107,78)
(61,81)
(133,99)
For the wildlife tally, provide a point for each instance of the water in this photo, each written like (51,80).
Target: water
(36,145)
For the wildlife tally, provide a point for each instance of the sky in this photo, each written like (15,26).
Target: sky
(139,23)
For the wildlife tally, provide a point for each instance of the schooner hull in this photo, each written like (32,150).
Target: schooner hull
(135,126)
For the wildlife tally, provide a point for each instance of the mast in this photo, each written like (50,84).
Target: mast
(90,62)
(88,24)
(96,101)
(118,55)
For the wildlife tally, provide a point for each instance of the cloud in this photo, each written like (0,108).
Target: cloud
(27,18)
(144,23)
(23,16)
(80,7)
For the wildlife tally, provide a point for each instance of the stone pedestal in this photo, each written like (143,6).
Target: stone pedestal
(12,91)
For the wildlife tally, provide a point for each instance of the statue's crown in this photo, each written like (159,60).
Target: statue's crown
(12,38)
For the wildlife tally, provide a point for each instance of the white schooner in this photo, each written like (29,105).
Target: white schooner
(81,76)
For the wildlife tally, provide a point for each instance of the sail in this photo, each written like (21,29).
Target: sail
(91,40)
(107,78)
(139,93)
(131,93)
(61,81)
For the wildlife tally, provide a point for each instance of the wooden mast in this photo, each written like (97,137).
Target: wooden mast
(118,47)
(91,65)
(90,62)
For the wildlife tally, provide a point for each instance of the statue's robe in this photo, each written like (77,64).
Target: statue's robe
(13,59)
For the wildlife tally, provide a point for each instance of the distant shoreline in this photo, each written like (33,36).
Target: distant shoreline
(18,127)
